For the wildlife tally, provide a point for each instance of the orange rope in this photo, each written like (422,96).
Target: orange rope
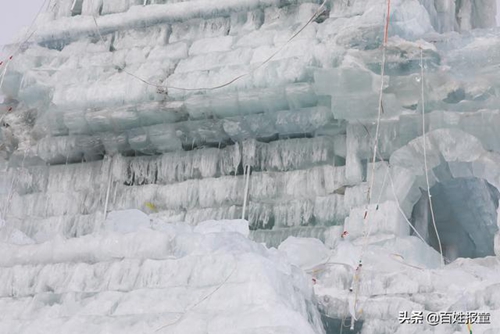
(387,21)
(366,233)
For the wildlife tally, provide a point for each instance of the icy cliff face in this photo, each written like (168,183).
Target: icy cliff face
(161,105)
(299,121)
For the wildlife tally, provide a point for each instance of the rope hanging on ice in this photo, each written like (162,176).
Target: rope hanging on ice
(203,299)
(387,22)
(163,89)
(380,102)
(425,155)
(468,324)
(246,177)
(357,274)
(388,167)
(110,178)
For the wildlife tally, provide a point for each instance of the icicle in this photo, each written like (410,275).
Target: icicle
(108,189)
(352,311)
(2,76)
(425,155)
(115,184)
(246,173)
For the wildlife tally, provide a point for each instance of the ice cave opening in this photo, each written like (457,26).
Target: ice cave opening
(465,212)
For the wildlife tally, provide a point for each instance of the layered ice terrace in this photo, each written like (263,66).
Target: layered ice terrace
(303,121)
(162,105)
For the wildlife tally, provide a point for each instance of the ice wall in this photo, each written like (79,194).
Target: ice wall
(110,106)
(121,104)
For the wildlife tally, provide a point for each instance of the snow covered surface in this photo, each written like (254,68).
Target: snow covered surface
(173,280)
(396,277)
(210,278)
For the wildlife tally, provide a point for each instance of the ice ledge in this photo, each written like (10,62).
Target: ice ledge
(140,17)
(169,277)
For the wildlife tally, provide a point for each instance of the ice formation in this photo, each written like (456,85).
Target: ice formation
(165,279)
(163,105)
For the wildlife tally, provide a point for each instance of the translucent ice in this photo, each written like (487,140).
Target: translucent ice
(122,281)
(164,106)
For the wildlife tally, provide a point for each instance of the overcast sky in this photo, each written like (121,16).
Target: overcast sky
(15,14)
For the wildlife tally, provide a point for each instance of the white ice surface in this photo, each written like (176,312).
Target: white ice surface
(64,268)
(223,226)
(211,280)
(401,274)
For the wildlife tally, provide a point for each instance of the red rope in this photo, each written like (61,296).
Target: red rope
(387,21)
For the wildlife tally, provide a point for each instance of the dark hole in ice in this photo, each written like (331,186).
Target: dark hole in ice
(54,44)
(455,96)
(335,326)
(466,217)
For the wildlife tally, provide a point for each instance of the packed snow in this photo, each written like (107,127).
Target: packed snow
(136,276)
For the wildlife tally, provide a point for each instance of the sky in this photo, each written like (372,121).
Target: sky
(15,14)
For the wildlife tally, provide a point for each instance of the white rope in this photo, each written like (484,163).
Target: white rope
(110,177)
(401,210)
(379,115)
(246,175)
(203,299)
(425,156)
(165,88)
(3,76)
(375,146)
(73,5)
(357,273)
(388,167)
